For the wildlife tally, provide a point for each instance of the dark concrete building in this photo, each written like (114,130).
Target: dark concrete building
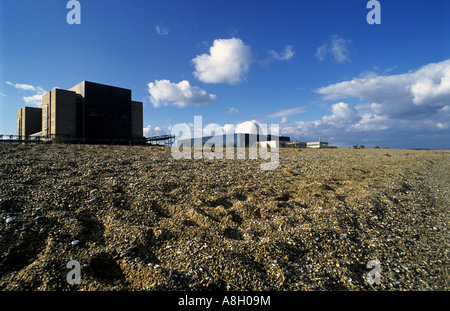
(29,121)
(91,112)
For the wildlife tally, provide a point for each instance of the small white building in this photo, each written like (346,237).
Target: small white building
(317,144)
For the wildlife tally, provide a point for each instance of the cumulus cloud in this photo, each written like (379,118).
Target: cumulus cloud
(337,47)
(287,54)
(228,61)
(407,110)
(284,121)
(345,126)
(343,114)
(150,131)
(35,100)
(432,85)
(165,93)
(409,95)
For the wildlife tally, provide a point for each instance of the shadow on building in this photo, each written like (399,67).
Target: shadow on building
(87,113)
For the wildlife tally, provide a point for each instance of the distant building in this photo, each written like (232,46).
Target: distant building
(29,121)
(317,144)
(86,112)
(246,134)
(296,144)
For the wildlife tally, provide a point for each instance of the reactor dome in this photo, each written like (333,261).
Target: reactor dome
(248,127)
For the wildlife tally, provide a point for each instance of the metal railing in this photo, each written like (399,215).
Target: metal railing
(167,140)
(16,139)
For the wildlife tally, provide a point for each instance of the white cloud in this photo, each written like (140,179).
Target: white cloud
(34,100)
(165,93)
(287,112)
(321,52)
(445,109)
(344,127)
(287,54)
(22,86)
(409,95)
(409,110)
(228,61)
(150,131)
(284,121)
(432,85)
(371,122)
(233,110)
(343,114)
(337,47)
(162,30)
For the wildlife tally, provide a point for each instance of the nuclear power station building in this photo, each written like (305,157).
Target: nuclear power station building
(88,112)
(246,134)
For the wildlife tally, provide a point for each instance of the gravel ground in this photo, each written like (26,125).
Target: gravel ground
(137,219)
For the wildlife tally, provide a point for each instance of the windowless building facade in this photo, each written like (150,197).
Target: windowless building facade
(91,111)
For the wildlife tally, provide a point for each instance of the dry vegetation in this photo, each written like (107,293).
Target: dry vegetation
(146,221)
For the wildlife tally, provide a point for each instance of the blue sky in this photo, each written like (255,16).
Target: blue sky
(317,68)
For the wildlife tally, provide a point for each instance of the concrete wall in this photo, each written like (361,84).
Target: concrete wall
(107,111)
(87,110)
(137,121)
(64,112)
(79,88)
(28,121)
(80,117)
(59,113)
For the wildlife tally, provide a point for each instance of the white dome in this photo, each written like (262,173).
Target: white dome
(248,127)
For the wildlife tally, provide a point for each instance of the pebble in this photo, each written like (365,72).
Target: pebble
(176,229)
